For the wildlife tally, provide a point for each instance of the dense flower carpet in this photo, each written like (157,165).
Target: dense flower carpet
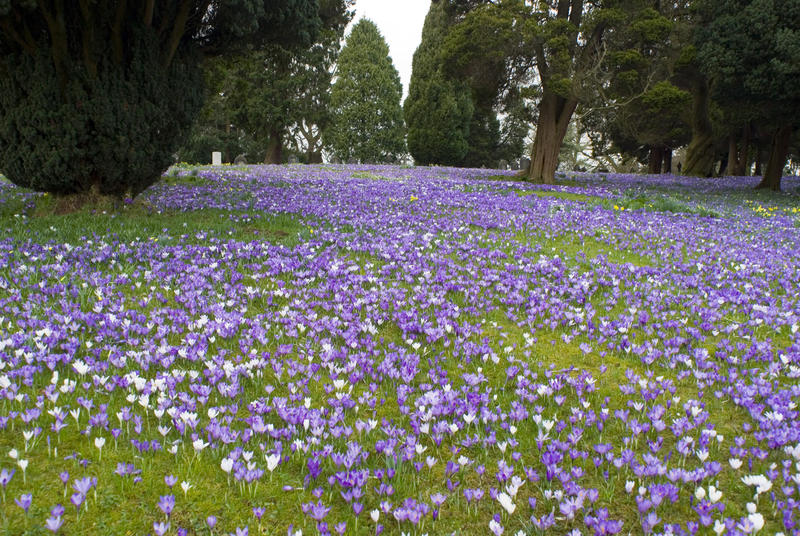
(391,350)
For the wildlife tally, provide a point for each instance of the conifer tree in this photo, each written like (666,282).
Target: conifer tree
(95,97)
(367,119)
(438,110)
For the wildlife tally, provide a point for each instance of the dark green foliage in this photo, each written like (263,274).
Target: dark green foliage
(114,133)
(202,141)
(469,44)
(438,110)
(97,96)
(271,97)
(640,112)
(750,51)
(213,128)
(367,123)
(484,139)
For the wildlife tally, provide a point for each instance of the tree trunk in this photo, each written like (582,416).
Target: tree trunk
(700,154)
(555,114)
(274,148)
(744,150)
(315,157)
(761,155)
(667,160)
(737,153)
(732,160)
(777,159)
(656,159)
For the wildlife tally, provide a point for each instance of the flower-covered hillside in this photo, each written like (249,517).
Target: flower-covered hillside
(366,350)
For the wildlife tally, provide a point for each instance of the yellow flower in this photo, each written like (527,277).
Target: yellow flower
(414,198)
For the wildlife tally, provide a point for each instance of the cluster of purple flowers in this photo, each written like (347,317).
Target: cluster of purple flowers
(436,351)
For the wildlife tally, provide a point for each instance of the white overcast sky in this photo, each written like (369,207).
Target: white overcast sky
(400,23)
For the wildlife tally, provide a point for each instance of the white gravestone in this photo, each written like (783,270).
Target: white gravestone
(216,158)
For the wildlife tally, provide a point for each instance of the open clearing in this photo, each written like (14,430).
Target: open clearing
(364,349)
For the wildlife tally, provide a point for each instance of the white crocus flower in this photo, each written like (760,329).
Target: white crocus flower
(272,461)
(226,465)
(506,502)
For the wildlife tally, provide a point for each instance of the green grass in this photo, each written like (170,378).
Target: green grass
(142,222)
(122,507)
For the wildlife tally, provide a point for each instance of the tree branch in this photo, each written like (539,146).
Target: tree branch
(27,46)
(88,38)
(576,14)
(149,7)
(58,37)
(178,28)
(116,31)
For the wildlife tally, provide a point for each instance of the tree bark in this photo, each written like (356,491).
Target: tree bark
(178,29)
(744,150)
(730,170)
(700,154)
(737,153)
(655,160)
(555,113)
(667,160)
(274,148)
(762,155)
(777,159)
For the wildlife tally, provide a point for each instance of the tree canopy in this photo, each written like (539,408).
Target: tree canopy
(97,96)
(438,109)
(367,119)
(750,52)
(264,99)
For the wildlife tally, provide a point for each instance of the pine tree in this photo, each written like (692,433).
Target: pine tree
(95,97)
(367,123)
(438,111)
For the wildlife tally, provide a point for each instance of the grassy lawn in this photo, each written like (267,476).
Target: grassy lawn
(366,349)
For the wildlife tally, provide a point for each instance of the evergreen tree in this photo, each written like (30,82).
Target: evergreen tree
(438,110)
(476,52)
(267,93)
(95,97)
(367,123)
(750,52)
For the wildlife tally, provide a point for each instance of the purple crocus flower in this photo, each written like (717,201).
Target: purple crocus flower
(5,476)
(53,524)
(316,511)
(166,503)
(24,501)
(77,499)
